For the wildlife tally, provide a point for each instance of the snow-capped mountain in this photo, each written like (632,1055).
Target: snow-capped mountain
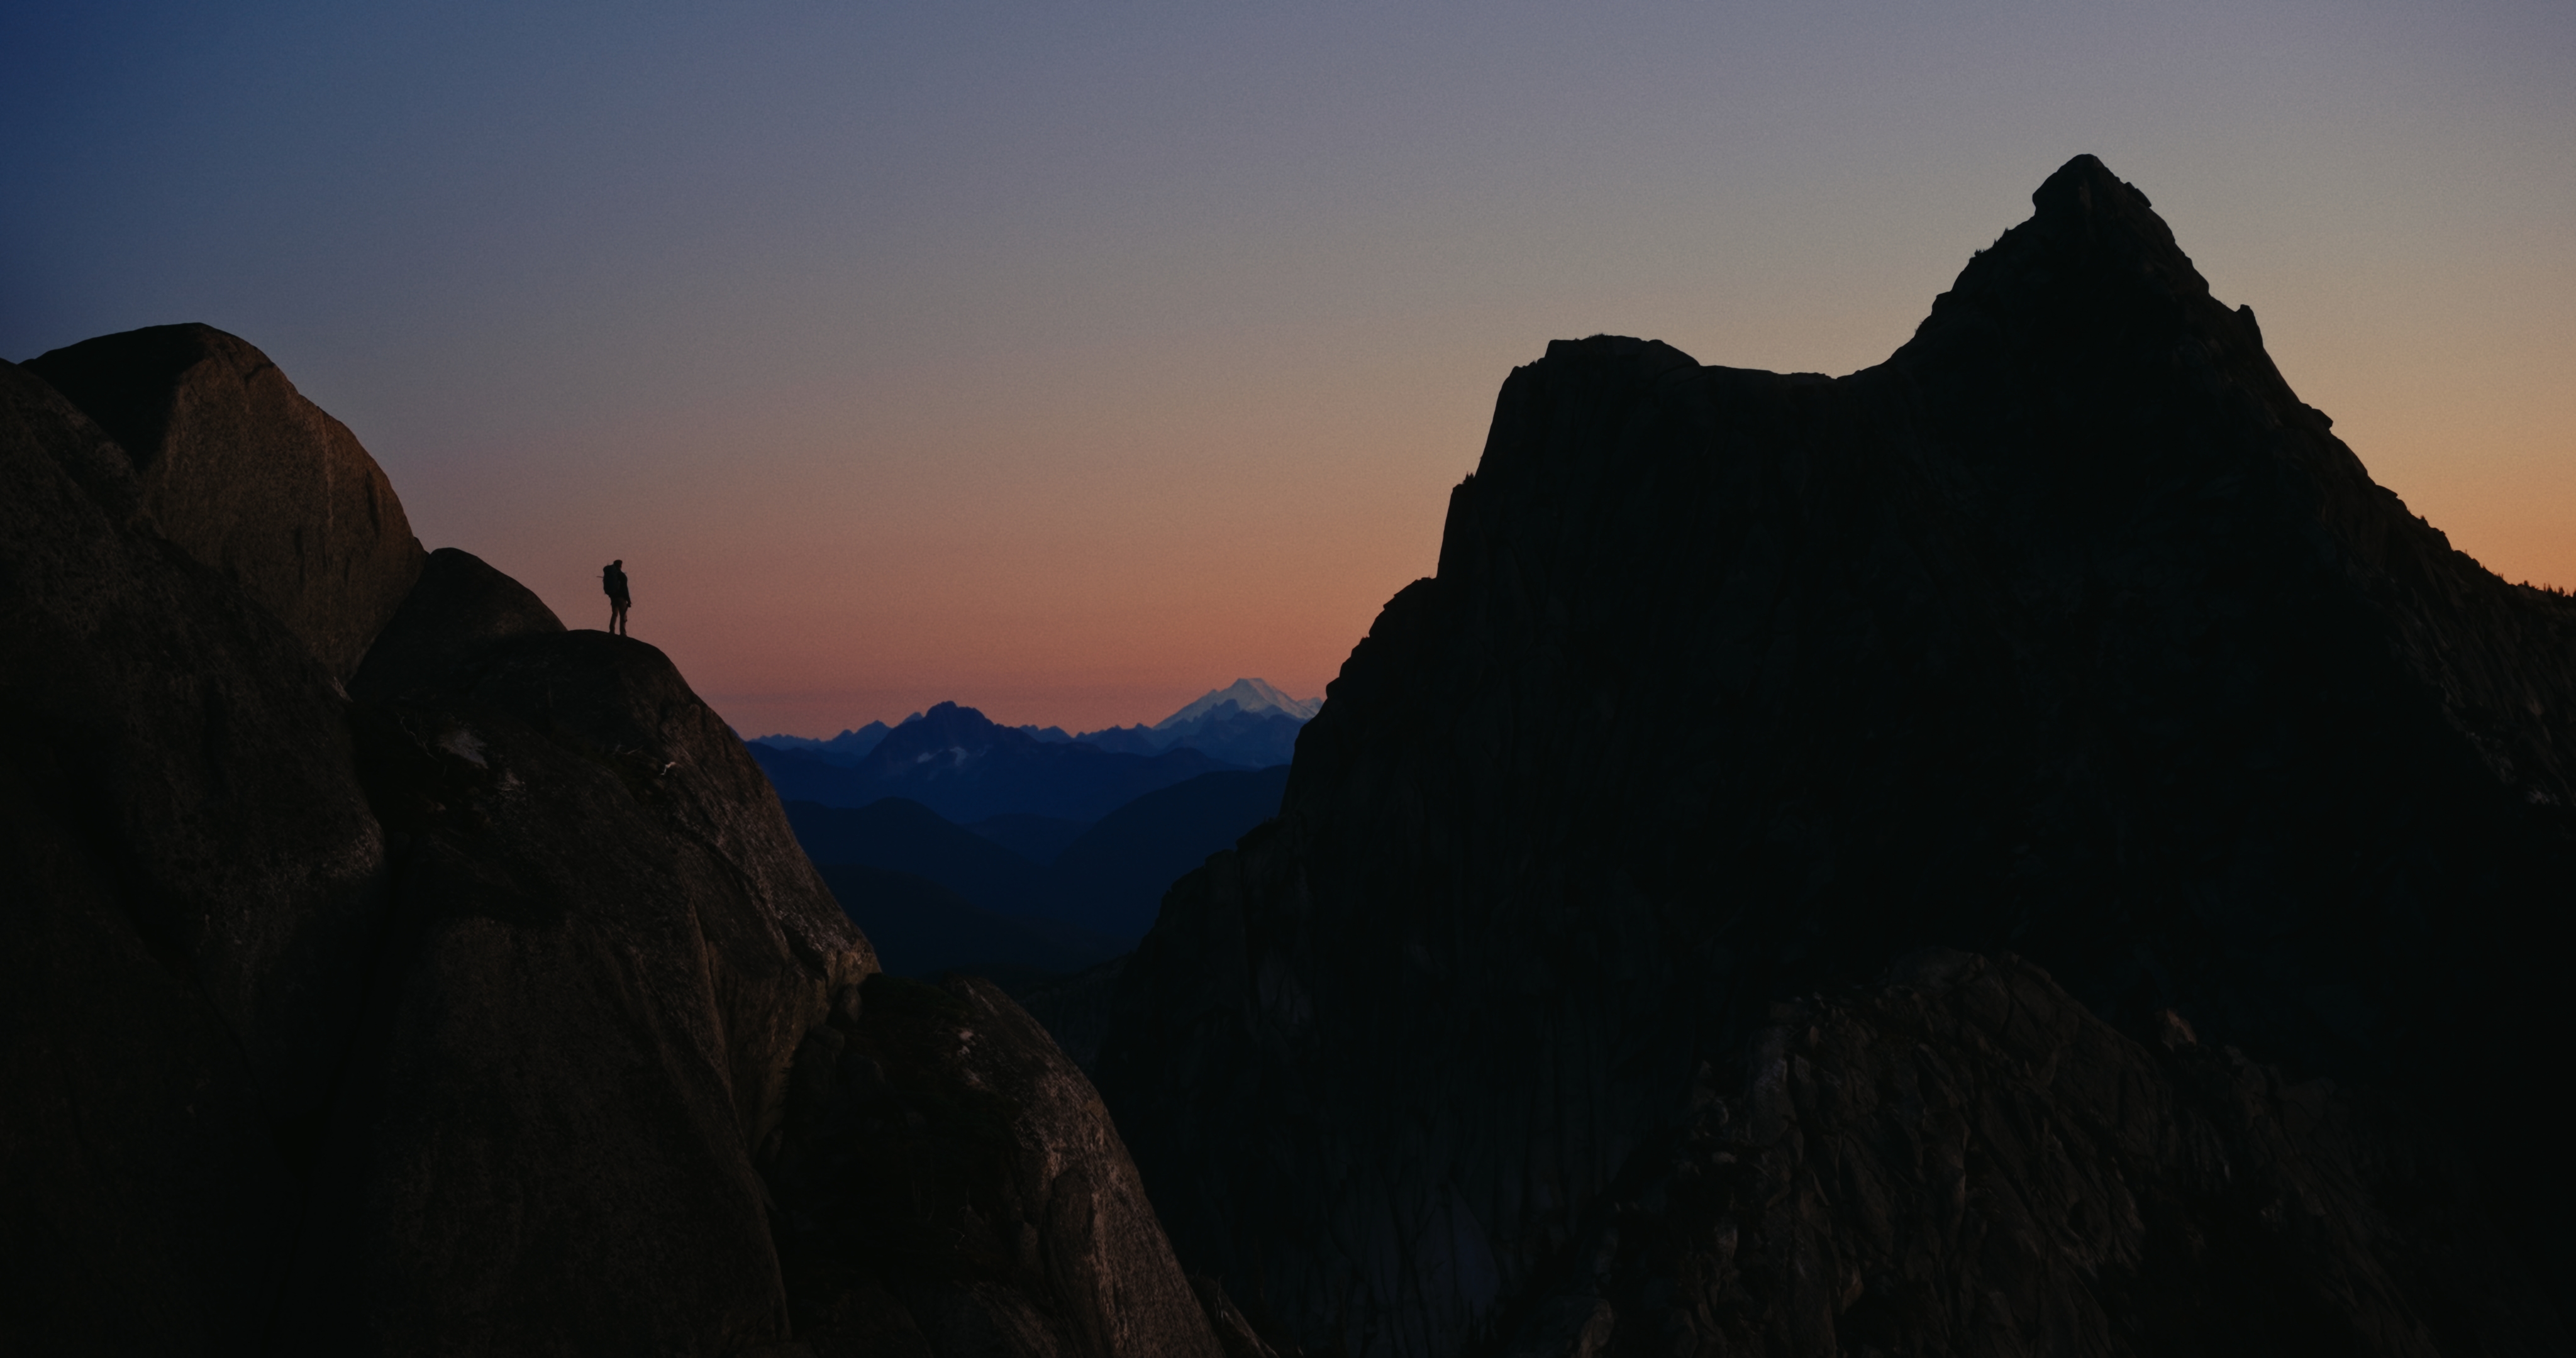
(1251,697)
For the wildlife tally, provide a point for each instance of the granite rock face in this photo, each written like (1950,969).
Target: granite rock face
(2068,631)
(603,951)
(247,476)
(456,1015)
(948,1182)
(457,610)
(190,886)
(193,747)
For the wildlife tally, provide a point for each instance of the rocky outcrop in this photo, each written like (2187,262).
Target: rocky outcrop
(457,610)
(190,749)
(455,1015)
(586,854)
(949,1183)
(188,888)
(1964,1159)
(2067,631)
(250,478)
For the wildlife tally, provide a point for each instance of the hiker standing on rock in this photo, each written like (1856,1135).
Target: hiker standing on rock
(613,580)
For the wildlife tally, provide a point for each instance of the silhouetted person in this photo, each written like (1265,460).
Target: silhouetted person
(613,580)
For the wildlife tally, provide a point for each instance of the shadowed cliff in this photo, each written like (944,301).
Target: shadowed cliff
(2067,632)
(456,1008)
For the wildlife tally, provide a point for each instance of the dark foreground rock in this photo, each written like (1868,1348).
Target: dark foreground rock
(1966,1160)
(2068,631)
(603,951)
(189,885)
(247,476)
(950,1183)
(456,1017)
(458,609)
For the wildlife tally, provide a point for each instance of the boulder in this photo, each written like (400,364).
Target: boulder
(948,1182)
(250,478)
(458,609)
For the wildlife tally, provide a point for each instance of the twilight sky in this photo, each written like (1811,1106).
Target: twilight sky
(1071,360)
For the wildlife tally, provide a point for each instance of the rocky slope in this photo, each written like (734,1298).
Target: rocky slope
(1963,1159)
(951,1184)
(2067,632)
(453,1008)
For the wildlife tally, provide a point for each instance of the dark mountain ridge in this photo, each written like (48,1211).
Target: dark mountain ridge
(844,750)
(1038,839)
(2067,632)
(921,928)
(1106,883)
(1113,877)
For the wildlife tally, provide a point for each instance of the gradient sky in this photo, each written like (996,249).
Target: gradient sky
(1071,360)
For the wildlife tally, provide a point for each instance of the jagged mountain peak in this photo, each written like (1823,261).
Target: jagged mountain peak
(2069,632)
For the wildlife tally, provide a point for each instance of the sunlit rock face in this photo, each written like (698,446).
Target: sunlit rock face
(2068,632)
(386,969)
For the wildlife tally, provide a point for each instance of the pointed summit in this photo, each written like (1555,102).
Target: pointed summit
(2068,632)
(2082,185)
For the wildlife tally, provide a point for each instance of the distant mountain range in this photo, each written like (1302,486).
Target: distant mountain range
(934,895)
(957,842)
(842,751)
(968,769)
(1248,722)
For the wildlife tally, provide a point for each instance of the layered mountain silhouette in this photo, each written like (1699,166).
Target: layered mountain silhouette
(1112,878)
(968,766)
(899,835)
(921,928)
(1094,898)
(844,750)
(2110,897)
(968,769)
(1038,839)
(385,968)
